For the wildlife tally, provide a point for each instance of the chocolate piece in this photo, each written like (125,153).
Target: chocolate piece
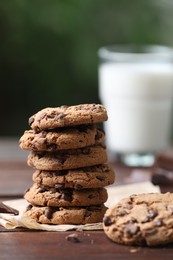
(66,195)
(100,178)
(73,238)
(131,229)
(29,207)
(6,209)
(49,212)
(107,221)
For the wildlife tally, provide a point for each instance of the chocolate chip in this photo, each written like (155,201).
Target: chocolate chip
(73,238)
(41,189)
(91,196)
(100,178)
(66,195)
(133,220)
(107,221)
(31,120)
(131,229)
(86,150)
(152,214)
(53,190)
(61,159)
(121,213)
(48,212)
(29,207)
(158,223)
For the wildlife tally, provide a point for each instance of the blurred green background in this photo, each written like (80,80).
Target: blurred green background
(48,49)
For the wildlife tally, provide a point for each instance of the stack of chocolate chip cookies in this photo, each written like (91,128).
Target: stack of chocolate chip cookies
(70,161)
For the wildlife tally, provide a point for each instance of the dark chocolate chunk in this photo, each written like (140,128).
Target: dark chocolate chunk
(86,150)
(152,214)
(133,220)
(158,223)
(29,207)
(61,158)
(91,196)
(131,229)
(6,209)
(48,212)
(66,195)
(41,189)
(107,221)
(73,238)
(122,213)
(100,178)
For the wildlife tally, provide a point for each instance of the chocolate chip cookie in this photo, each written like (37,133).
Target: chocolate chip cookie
(68,159)
(143,219)
(57,197)
(61,138)
(81,178)
(66,215)
(51,118)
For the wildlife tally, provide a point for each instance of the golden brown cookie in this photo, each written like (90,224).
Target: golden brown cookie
(143,219)
(51,118)
(56,197)
(68,159)
(66,215)
(81,178)
(61,138)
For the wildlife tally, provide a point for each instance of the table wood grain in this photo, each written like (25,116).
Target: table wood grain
(21,243)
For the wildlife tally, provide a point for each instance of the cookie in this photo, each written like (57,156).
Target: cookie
(61,138)
(51,118)
(56,197)
(68,215)
(68,159)
(81,178)
(143,219)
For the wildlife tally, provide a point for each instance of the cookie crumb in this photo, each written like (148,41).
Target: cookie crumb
(134,250)
(73,238)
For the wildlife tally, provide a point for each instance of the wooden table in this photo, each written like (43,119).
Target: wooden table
(29,244)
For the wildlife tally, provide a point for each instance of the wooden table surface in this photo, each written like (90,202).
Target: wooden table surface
(20,243)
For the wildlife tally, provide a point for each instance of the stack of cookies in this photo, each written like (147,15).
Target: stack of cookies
(70,161)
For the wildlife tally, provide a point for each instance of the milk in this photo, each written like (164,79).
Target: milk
(138,99)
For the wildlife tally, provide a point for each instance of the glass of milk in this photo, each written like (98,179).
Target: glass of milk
(136,87)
